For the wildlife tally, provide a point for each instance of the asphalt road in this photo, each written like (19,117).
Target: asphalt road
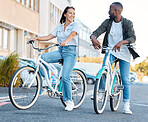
(52,110)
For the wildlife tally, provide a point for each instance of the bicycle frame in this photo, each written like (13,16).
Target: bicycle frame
(110,74)
(39,63)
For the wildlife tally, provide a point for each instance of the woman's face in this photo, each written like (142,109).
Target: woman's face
(70,15)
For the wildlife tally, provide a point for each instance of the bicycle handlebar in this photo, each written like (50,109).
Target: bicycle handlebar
(109,48)
(39,49)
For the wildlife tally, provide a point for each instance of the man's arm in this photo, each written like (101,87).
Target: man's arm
(101,29)
(96,43)
(131,37)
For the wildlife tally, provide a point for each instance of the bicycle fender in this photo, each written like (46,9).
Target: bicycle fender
(80,71)
(100,72)
(31,66)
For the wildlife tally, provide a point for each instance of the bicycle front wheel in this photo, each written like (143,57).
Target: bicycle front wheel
(79,88)
(22,96)
(100,93)
(116,93)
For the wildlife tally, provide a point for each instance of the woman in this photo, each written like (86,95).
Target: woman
(67,37)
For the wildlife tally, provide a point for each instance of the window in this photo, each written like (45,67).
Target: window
(0,38)
(18,1)
(32,4)
(5,43)
(51,12)
(23,2)
(27,3)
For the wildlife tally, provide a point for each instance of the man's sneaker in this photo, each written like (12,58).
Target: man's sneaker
(70,105)
(126,109)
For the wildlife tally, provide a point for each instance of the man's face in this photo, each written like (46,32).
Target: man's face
(112,12)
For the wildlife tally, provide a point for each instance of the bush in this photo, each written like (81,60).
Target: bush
(7,68)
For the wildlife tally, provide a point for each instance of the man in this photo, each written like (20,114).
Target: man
(119,33)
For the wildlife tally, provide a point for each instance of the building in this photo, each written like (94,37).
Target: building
(21,20)
(85,44)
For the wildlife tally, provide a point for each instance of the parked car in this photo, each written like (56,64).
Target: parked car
(91,79)
(133,77)
(145,79)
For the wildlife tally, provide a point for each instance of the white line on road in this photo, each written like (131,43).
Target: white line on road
(145,105)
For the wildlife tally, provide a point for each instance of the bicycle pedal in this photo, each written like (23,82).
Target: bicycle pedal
(120,87)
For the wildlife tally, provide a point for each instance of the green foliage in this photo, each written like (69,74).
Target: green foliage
(7,68)
(142,67)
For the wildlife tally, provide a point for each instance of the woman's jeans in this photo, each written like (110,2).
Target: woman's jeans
(68,54)
(124,73)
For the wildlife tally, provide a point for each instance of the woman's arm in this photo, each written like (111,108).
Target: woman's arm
(45,38)
(69,38)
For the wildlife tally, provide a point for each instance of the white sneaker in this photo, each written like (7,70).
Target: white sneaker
(126,109)
(70,106)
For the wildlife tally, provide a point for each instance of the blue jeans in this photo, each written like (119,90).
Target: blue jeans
(124,73)
(68,54)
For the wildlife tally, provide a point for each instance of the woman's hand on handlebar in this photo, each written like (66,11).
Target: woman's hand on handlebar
(34,39)
(64,43)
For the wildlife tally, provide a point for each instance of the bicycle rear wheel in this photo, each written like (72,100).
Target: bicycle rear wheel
(20,95)
(79,88)
(100,93)
(116,93)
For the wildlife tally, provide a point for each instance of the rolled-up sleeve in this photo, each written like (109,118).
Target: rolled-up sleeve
(54,32)
(75,28)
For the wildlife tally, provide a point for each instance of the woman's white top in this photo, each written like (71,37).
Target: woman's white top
(114,37)
(62,35)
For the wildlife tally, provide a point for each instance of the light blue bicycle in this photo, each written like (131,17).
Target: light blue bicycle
(26,83)
(108,83)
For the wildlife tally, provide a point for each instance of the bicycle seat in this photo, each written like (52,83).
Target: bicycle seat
(61,61)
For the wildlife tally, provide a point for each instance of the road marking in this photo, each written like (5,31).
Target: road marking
(4,103)
(2,99)
(144,105)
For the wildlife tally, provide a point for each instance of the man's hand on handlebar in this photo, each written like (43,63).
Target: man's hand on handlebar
(96,43)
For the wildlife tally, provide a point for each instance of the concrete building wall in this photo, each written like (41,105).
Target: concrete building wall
(15,14)
(18,23)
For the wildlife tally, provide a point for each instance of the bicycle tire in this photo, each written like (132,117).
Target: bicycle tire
(115,98)
(79,79)
(20,96)
(100,93)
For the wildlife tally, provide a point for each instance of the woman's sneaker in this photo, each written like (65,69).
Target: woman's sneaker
(70,105)
(126,109)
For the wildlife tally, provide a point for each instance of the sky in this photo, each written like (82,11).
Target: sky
(93,12)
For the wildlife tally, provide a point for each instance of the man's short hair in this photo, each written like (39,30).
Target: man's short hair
(119,4)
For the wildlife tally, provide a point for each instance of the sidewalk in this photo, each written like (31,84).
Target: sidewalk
(4,96)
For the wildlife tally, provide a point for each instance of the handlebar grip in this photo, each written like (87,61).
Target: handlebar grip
(30,42)
(57,44)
